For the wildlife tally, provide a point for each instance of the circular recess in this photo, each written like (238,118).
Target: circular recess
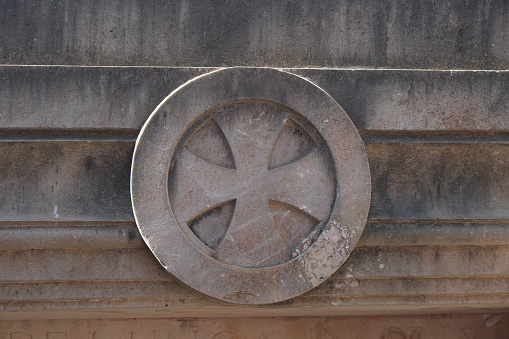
(250,185)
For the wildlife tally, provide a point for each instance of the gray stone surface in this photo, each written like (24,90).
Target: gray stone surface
(376,100)
(377,233)
(448,180)
(138,264)
(396,33)
(65,181)
(443,179)
(82,97)
(436,132)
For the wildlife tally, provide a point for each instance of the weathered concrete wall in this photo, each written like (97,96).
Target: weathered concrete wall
(425,82)
(396,33)
(473,102)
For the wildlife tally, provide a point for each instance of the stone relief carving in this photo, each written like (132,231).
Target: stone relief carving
(250,185)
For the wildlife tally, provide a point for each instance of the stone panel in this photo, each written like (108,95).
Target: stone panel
(78,180)
(101,98)
(396,33)
(342,292)
(425,83)
(365,262)
(376,100)
(65,181)
(428,101)
(377,233)
(452,180)
(404,327)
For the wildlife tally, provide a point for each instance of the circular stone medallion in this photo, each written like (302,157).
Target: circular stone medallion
(250,185)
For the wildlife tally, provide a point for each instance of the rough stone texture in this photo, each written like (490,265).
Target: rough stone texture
(446,179)
(376,100)
(416,327)
(436,136)
(449,180)
(396,33)
(82,97)
(65,181)
(215,143)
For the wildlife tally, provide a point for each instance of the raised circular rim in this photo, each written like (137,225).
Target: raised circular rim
(150,167)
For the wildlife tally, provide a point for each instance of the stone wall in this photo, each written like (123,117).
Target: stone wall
(425,82)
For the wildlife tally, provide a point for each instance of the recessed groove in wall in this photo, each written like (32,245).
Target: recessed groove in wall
(70,223)
(68,134)
(368,136)
(466,221)
(411,262)
(18,238)
(200,306)
(435,234)
(83,290)
(4,285)
(336,284)
(413,136)
(411,286)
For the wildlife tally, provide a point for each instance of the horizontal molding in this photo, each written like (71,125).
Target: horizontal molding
(122,98)
(439,180)
(19,238)
(131,134)
(71,181)
(418,278)
(83,290)
(435,233)
(182,308)
(331,289)
(68,134)
(288,69)
(400,101)
(393,33)
(376,234)
(426,262)
(452,136)
(65,223)
(412,262)
(79,264)
(87,181)
(408,287)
